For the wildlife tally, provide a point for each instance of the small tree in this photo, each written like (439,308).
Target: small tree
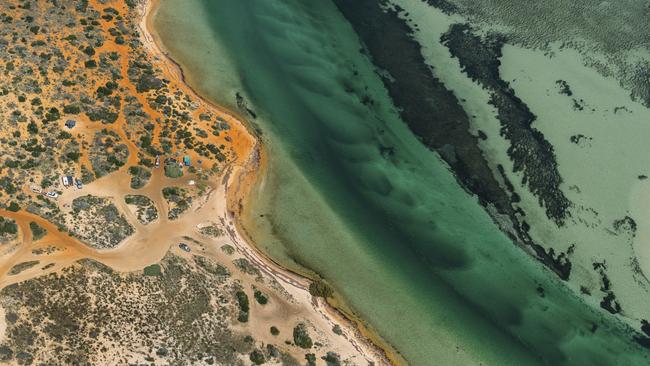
(173,171)
(301,336)
(32,128)
(13,207)
(242,300)
(261,298)
(257,357)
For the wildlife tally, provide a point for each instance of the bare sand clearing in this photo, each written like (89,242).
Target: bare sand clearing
(220,202)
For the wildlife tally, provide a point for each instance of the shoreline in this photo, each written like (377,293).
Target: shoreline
(335,307)
(249,173)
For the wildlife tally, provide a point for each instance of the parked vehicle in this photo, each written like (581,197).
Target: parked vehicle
(78,183)
(52,194)
(184,247)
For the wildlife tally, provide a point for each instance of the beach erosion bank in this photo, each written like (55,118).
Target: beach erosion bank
(351,194)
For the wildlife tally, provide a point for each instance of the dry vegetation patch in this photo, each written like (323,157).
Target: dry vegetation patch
(180,315)
(145,209)
(97,221)
(8,230)
(178,199)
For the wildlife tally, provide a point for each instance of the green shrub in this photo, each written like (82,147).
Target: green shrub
(261,298)
(7,185)
(32,127)
(139,176)
(37,230)
(336,329)
(52,115)
(73,155)
(332,359)
(257,357)
(211,267)
(301,336)
(13,207)
(148,82)
(311,359)
(244,306)
(319,288)
(152,270)
(90,51)
(173,171)
(102,114)
(8,226)
(71,109)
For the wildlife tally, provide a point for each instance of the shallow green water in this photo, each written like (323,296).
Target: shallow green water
(352,195)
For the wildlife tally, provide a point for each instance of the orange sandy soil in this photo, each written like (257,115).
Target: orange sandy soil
(150,243)
(116,184)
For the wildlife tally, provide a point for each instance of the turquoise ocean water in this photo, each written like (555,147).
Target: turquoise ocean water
(353,195)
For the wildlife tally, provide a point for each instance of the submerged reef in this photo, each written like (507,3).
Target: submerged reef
(435,115)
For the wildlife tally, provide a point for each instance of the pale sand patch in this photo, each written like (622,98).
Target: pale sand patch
(601,172)
(640,209)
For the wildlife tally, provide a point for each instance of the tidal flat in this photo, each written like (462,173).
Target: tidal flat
(351,194)
(586,104)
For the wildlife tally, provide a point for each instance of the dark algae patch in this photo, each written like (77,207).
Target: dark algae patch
(435,115)
(529,151)
(431,110)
